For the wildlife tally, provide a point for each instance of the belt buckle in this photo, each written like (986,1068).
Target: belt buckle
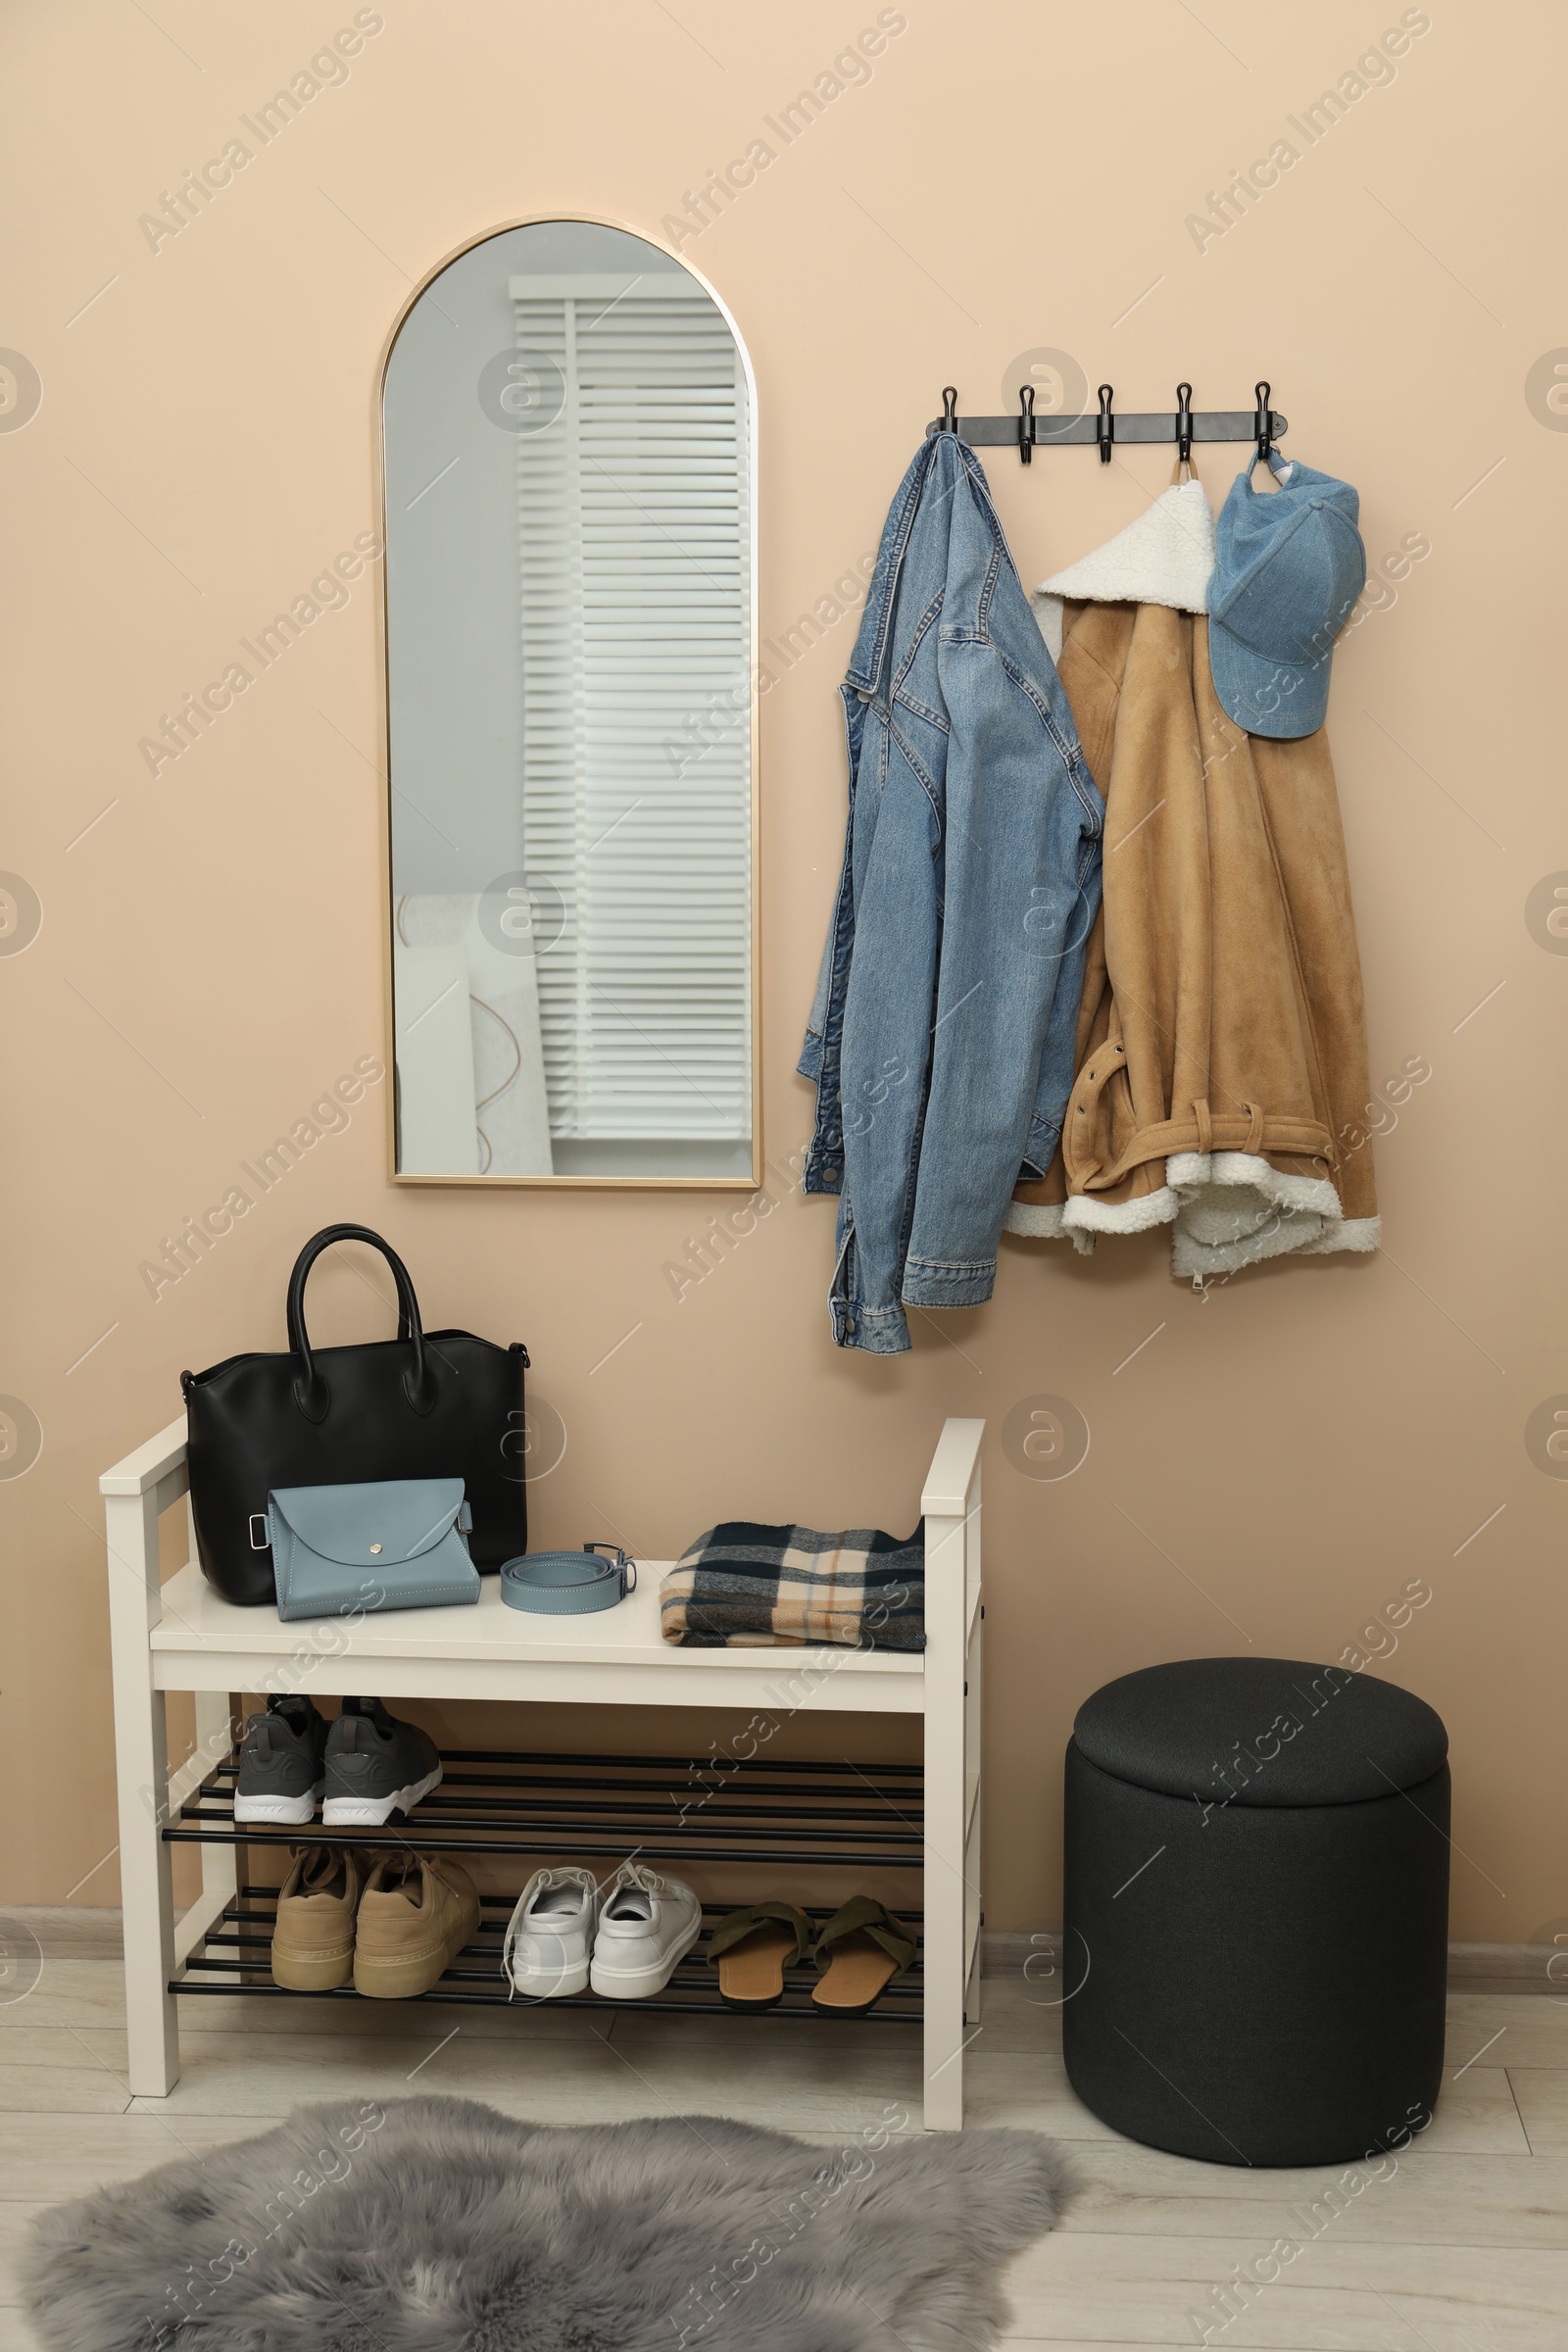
(625,1570)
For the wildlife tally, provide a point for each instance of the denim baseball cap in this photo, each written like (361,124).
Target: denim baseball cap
(1289,565)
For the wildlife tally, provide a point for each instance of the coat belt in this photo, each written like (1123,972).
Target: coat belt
(1203,1128)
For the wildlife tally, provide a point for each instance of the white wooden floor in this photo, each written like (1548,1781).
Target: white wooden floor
(1464,2250)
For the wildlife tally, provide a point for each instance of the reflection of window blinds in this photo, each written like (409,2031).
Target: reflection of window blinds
(636,634)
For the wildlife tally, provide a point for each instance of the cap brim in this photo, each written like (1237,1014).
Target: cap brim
(1279,700)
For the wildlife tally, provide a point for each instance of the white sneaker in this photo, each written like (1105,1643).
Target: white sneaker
(648,1924)
(550,1933)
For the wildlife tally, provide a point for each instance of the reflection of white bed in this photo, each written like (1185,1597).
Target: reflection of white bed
(436,1133)
(471,1068)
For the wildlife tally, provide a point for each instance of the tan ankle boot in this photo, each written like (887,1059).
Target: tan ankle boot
(313,1933)
(416,1913)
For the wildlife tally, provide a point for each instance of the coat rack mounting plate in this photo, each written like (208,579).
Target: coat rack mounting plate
(1206,424)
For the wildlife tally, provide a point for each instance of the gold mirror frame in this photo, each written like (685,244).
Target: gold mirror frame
(668,1183)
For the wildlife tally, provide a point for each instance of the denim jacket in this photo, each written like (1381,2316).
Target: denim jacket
(942,1036)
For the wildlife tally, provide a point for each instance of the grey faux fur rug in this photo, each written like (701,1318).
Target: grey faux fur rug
(439,2226)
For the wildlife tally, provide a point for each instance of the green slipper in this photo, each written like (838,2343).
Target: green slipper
(861,1949)
(753,1947)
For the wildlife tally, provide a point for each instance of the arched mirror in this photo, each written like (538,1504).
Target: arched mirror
(570,601)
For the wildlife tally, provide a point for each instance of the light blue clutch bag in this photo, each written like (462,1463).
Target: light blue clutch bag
(387,1543)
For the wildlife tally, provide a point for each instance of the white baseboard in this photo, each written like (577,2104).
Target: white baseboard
(1472,1967)
(75,1932)
(69,1931)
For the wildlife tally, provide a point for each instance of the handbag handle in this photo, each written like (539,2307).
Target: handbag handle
(312,1394)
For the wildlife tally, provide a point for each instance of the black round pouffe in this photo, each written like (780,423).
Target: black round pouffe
(1256,1904)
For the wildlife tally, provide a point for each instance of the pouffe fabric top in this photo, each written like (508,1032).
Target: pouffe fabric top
(1255,1915)
(1217,1726)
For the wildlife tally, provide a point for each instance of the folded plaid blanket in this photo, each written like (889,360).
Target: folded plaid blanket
(742,1585)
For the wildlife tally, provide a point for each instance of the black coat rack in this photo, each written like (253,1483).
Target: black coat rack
(1027,432)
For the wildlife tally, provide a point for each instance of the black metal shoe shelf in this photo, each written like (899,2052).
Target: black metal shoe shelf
(550,1807)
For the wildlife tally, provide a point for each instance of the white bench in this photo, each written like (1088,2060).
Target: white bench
(182,1636)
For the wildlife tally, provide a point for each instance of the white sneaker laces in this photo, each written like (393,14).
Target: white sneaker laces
(637,1873)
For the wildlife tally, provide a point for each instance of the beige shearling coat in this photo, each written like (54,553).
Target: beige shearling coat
(1222,1065)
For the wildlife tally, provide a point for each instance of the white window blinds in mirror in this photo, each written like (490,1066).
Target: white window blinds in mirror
(633,541)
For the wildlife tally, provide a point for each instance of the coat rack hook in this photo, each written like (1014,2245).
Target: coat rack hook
(1026,424)
(1184,421)
(1264,421)
(1104,425)
(950,407)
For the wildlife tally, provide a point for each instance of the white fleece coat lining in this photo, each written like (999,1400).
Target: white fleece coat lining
(1271,1216)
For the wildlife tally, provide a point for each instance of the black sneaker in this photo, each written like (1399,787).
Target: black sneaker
(376,1766)
(281,1769)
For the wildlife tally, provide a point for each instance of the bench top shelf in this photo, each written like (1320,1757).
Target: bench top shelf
(617,1656)
(196,1618)
(199,1641)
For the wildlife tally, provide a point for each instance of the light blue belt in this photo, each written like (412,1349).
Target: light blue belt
(567,1583)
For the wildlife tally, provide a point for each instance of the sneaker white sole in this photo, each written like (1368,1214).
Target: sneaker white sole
(549,1983)
(637,1983)
(370,1812)
(290,1809)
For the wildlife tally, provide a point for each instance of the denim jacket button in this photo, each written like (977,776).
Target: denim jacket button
(849,1327)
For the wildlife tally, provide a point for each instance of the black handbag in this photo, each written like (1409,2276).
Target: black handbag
(442,1404)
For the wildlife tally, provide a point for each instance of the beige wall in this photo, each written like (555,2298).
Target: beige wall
(1284,1454)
